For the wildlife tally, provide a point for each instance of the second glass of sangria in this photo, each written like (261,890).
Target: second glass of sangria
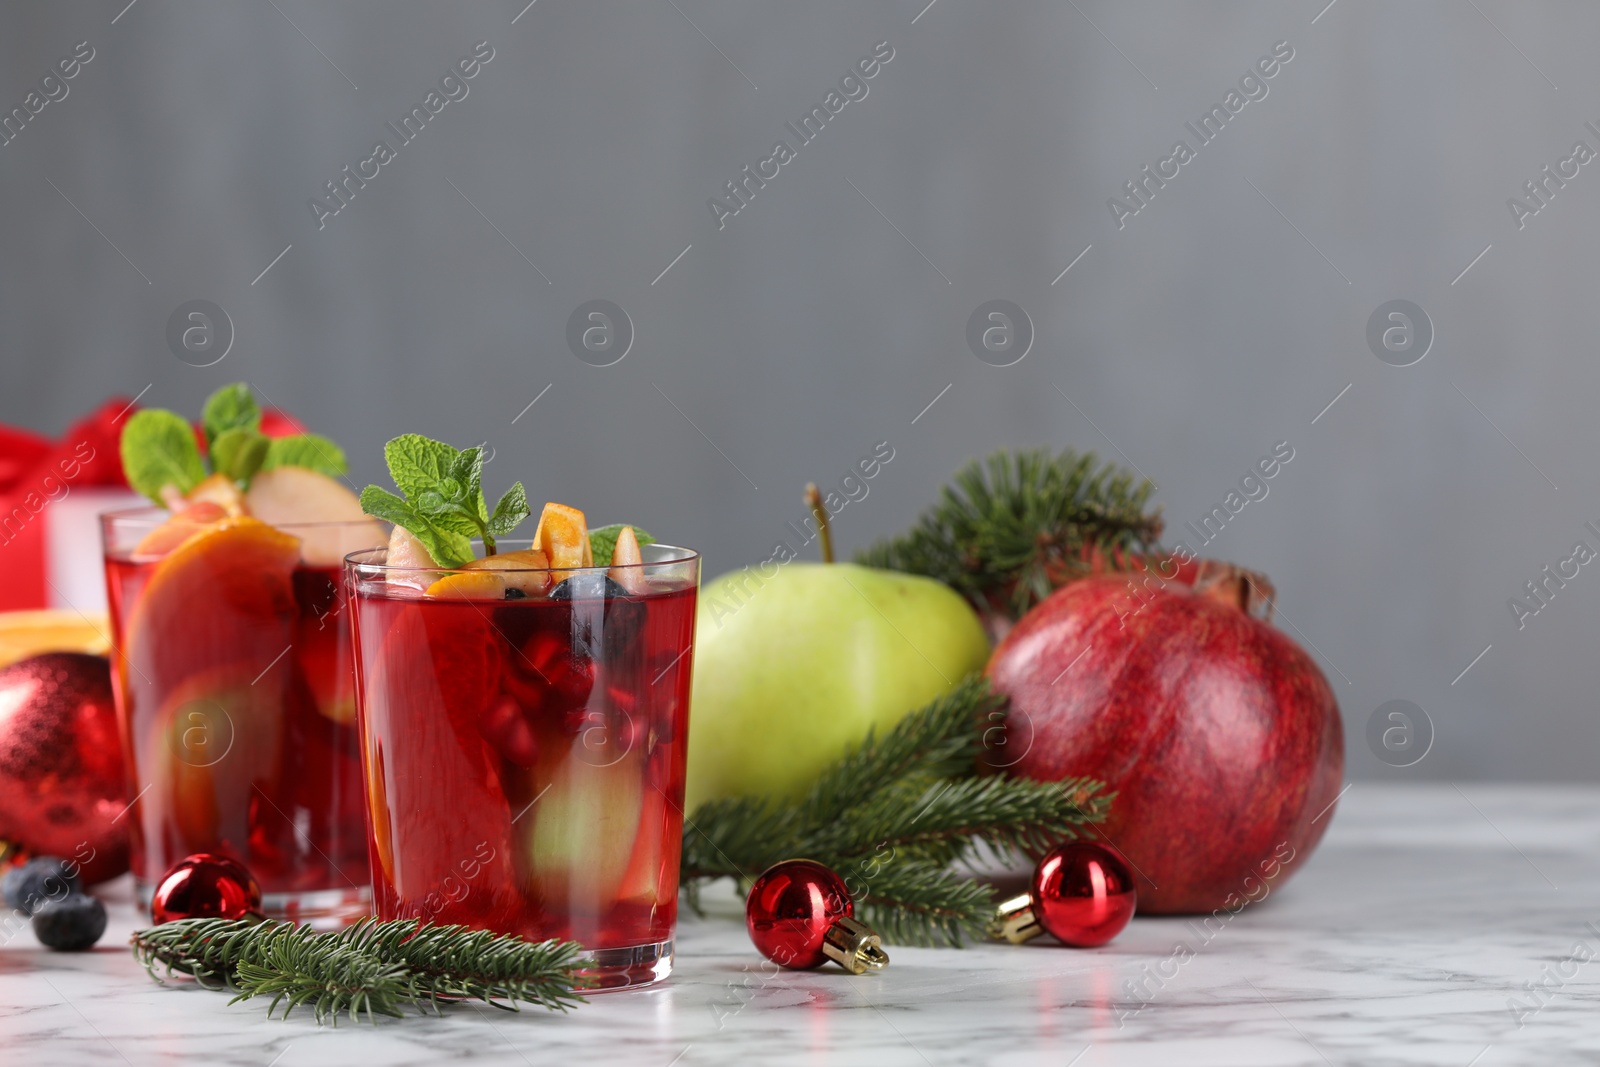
(524,721)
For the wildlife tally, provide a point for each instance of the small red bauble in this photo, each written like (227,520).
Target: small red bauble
(205,886)
(1081,894)
(800,916)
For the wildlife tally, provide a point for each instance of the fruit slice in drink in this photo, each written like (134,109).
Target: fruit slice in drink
(563,536)
(217,743)
(434,793)
(582,835)
(215,617)
(224,595)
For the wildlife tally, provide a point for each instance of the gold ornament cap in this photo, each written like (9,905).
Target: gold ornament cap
(855,946)
(1015,921)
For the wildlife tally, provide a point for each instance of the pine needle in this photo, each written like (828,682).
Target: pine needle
(1011,528)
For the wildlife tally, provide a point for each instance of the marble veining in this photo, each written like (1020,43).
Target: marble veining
(1435,925)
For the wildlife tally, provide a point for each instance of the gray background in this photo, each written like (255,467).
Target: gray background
(1194,339)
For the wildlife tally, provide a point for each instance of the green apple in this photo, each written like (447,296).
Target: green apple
(791,670)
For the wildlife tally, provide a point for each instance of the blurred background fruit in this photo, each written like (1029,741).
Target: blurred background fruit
(792,669)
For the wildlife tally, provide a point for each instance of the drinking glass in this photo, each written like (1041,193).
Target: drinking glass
(524,752)
(235,691)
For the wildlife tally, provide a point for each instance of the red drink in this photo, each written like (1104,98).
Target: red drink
(525,757)
(236,694)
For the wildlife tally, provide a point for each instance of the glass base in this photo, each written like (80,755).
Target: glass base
(621,968)
(322,909)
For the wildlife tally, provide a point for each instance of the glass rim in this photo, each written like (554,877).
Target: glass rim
(155,515)
(357,562)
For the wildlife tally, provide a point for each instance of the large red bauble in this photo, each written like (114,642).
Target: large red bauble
(205,886)
(63,786)
(1218,733)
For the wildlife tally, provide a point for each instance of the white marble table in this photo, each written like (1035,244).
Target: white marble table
(1402,942)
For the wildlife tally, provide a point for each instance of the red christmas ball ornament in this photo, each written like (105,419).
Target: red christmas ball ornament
(1082,894)
(205,886)
(800,916)
(63,784)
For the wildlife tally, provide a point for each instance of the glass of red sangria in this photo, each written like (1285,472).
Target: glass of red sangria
(524,721)
(232,663)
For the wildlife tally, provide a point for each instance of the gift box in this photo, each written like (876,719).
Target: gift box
(51,496)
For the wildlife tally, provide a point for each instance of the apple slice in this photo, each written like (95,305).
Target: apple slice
(410,562)
(527,569)
(218,737)
(473,585)
(563,534)
(288,496)
(626,562)
(217,489)
(584,827)
(646,880)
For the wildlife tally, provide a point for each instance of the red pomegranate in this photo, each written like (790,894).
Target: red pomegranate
(1218,733)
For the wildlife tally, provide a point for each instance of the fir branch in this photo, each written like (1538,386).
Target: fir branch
(458,963)
(371,968)
(1011,528)
(736,837)
(1011,815)
(920,903)
(891,816)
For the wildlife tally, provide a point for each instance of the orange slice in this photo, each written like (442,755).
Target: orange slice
(225,595)
(563,534)
(28,633)
(469,585)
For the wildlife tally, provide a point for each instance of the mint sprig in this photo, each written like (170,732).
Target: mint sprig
(159,447)
(443,502)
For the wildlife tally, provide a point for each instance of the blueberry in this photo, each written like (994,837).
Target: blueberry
(513,593)
(588,585)
(69,925)
(619,620)
(40,880)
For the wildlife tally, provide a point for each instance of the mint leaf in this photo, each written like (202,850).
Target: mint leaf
(468,471)
(603,541)
(233,407)
(382,504)
(512,509)
(238,453)
(158,450)
(418,464)
(309,450)
(447,548)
